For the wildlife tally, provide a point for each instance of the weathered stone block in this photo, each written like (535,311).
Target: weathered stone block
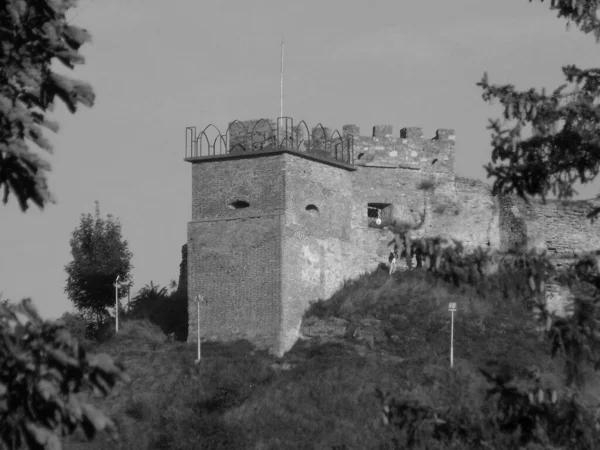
(351,130)
(382,131)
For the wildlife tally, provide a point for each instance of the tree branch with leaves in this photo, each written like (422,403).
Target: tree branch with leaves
(563,147)
(42,369)
(32,35)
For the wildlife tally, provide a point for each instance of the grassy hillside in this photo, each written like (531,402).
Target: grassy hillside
(387,333)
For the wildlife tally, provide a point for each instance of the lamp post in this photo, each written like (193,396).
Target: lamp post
(452,309)
(199,299)
(117,303)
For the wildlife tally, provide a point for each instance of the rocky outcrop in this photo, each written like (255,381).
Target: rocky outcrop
(367,332)
(331,328)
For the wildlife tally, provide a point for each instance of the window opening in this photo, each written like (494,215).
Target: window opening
(375,214)
(239,204)
(312,209)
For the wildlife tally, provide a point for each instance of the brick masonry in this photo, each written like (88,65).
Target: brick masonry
(273,230)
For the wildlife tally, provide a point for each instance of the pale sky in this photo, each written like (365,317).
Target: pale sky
(157,67)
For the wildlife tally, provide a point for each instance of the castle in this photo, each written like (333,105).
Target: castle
(283,214)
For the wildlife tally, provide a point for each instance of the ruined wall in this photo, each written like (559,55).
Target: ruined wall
(182,284)
(409,151)
(475,220)
(234,254)
(558,227)
(316,252)
(409,173)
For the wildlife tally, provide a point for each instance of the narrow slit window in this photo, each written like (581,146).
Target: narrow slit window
(239,204)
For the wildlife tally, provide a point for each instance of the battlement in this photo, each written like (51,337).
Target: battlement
(410,150)
(267,135)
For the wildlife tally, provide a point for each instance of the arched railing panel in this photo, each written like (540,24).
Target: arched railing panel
(260,135)
(285,132)
(302,139)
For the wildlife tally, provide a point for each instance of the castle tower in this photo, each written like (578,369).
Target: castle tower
(263,199)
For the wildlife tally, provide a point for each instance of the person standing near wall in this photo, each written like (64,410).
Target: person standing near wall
(393,257)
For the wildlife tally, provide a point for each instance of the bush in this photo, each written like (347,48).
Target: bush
(75,324)
(521,414)
(141,329)
(425,185)
(167,310)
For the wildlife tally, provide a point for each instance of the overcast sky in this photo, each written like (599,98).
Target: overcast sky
(157,67)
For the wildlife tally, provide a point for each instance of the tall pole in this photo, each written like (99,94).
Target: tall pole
(281,95)
(117,303)
(199,298)
(452,340)
(452,309)
(279,137)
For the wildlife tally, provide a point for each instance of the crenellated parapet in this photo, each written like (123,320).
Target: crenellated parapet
(410,150)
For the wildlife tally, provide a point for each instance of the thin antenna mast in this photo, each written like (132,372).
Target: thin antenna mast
(280,97)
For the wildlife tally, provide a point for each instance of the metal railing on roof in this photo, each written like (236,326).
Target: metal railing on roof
(264,135)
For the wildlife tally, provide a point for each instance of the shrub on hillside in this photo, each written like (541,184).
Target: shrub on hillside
(75,324)
(141,329)
(42,367)
(167,310)
(522,414)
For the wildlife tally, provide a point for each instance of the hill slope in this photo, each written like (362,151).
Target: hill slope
(377,332)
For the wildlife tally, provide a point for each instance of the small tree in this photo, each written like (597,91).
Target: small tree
(100,254)
(42,368)
(32,35)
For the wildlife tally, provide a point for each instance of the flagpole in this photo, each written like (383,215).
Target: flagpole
(281,96)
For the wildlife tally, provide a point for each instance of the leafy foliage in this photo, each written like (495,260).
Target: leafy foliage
(421,424)
(75,324)
(577,337)
(100,254)
(564,147)
(42,368)
(166,309)
(32,35)
(523,413)
(145,302)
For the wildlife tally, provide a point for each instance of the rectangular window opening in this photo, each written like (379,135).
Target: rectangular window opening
(375,214)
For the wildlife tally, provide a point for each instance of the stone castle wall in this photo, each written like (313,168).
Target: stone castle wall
(234,254)
(559,227)
(317,252)
(305,228)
